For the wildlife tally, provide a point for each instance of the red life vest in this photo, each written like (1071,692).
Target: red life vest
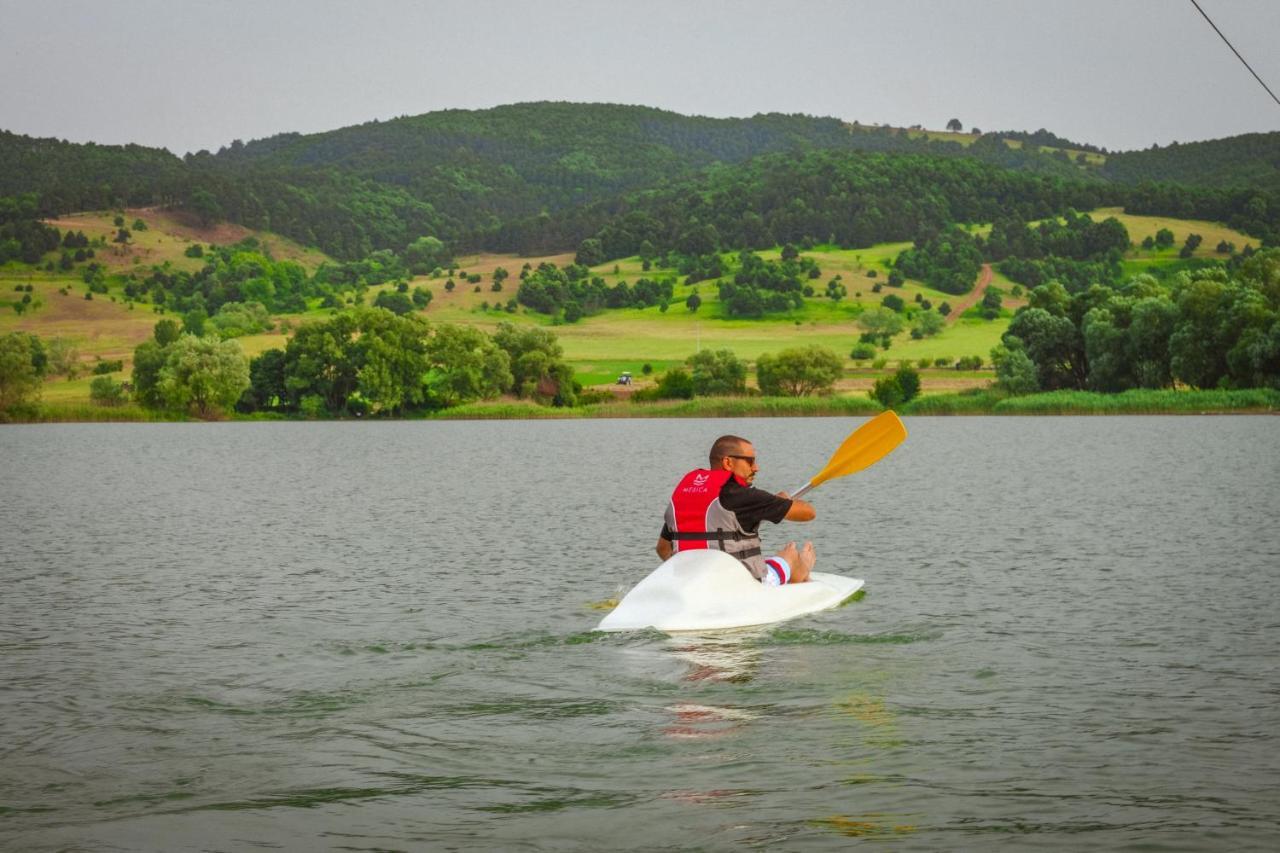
(690,502)
(697,520)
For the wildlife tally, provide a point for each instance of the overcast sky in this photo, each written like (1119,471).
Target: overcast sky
(190,75)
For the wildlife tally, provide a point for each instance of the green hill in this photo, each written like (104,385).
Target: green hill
(844,198)
(69,177)
(1248,161)
(461,175)
(541,177)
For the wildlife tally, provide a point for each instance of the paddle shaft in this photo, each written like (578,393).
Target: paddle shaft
(800,491)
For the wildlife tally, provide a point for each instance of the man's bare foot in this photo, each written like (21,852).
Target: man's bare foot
(799,559)
(803,564)
(791,554)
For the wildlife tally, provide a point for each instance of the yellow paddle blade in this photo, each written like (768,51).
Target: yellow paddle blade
(864,447)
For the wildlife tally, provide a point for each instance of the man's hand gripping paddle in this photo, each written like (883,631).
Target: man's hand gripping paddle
(864,447)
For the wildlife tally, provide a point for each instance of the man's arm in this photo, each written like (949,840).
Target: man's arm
(664,549)
(800,510)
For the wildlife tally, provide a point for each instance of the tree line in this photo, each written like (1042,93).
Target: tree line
(571,292)
(535,177)
(1074,250)
(367,361)
(372,361)
(846,199)
(23,237)
(1215,327)
(1247,161)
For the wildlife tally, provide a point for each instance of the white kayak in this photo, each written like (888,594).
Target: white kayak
(707,590)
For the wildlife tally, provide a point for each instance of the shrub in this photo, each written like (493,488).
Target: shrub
(676,384)
(1015,371)
(991,302)
(717,372)
(909,381)
(105,391)
(863,351)
(929,323)
(22,368)
(887,392)
(394,301)
(644,395)
(879,324)
(235,319)
(105,367)
(312,406)
(798,372)
(204,375)
(165,331)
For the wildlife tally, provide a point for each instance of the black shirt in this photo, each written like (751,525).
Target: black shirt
(749,504)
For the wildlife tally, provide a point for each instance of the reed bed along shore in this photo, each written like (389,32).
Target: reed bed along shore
(978,402)
(984,402)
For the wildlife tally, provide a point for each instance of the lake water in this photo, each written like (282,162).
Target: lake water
(379,636)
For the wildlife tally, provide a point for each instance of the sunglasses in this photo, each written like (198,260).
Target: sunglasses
(750,460)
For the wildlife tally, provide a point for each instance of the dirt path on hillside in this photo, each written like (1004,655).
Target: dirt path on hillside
(974,296)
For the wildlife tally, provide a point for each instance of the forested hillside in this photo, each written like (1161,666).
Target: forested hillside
(844,198)
(541,177)
(69,177)
(483,171)
(1250,161)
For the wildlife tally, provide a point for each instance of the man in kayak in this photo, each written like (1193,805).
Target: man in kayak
(717,507)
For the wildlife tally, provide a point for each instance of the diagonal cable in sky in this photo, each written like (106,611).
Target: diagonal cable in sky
(1236,52)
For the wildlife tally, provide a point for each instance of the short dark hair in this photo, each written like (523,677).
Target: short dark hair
(726,445)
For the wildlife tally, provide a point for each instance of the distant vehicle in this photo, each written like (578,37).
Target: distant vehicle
(625,378)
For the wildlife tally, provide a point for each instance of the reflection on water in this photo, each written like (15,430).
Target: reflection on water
(693,721)
(732,656)
(724,657)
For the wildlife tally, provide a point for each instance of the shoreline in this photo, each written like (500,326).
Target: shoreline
(1254,401)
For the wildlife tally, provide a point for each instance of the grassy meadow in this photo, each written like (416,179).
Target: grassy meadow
(599,347)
